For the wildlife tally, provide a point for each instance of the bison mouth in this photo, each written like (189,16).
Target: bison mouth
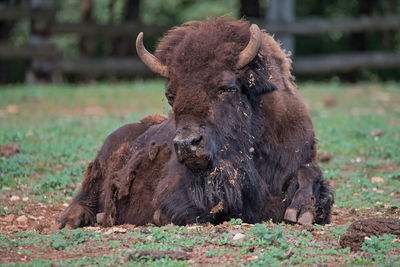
(196,163)
(193,157)
(191,151)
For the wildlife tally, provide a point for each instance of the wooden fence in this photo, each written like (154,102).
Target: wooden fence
(45,58)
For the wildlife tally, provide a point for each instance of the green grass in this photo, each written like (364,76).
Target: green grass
(270,244)
(61,127)
(64,239)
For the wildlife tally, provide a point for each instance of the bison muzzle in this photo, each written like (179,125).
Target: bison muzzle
(237,143)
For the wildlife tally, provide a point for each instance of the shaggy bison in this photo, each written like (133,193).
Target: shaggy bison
(237,143)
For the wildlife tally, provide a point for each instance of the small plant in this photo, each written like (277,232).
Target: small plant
(267,236)
(3,211)
(114,244)
(214,252)
(395,174)
(271,257)
(235,221)
(223,240)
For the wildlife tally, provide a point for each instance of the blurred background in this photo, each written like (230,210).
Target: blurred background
(51,41)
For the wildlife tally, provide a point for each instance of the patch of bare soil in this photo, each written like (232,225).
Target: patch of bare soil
(9,150)
(387,167)
(377,168)
(29,216)
(359,230)
(342,216)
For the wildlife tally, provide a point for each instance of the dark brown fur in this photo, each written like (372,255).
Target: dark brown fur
(256,130)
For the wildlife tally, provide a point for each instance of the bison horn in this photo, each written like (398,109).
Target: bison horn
(252,47)
(148,59)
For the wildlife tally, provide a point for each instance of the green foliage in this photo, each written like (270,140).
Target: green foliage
(55,152)
(114,244)
(379,246)
(394,175)
(92,261)
(149,261)
(271,257)
(51,183)
(235,221)
(332,173)
(333,232)
(267,236)
(33,263)
(339,42)
(22,239)
(179,11)
(215,253)
(66,239)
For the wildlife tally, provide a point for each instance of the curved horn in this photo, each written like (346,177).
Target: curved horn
(148,59)
(252,47)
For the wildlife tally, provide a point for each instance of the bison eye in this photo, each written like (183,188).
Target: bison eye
(224,90)
(170,98)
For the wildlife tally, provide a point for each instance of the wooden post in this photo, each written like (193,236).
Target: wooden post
(249,9)
(125,45)
(5,69)
(282,12)
(86,43)
(39,38)
(389,36)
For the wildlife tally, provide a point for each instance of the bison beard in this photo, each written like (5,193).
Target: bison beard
(238,142)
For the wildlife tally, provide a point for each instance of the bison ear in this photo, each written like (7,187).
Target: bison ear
(255,83)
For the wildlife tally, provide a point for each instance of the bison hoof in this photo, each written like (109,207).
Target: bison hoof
(100,218)
(305,218)
(75,216)
(56,226)
(291,215)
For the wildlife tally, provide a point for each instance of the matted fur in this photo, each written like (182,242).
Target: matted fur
(254,127)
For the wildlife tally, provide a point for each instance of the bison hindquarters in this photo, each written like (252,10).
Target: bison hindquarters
(82,210)
(85,206)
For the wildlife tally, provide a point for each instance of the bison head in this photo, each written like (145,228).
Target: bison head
(215,72)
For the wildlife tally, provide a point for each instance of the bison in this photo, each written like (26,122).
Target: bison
(237,143)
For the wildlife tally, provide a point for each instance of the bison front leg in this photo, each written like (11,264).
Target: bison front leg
(82,211)
(313,199)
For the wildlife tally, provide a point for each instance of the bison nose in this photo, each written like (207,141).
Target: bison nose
(187,145)
(190,150)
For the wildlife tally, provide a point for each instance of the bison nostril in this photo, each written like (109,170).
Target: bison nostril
(191,141)
(195,141)
(176,145)
(186,147)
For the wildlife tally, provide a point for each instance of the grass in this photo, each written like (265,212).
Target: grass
(61,127)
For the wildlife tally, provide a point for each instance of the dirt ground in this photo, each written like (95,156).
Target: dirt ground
(40,217)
